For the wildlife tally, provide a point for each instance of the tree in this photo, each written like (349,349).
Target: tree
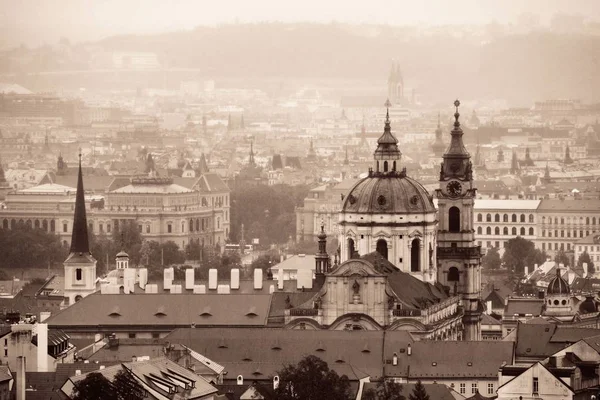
(562,258)
(419,392)
(171,254)
(126,387)
(491,260)
(94,387)
(385,390)
(27,247)
(265,261)
(520,252)
(310,379)
(585,258)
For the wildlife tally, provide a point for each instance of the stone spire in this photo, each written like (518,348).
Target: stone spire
(514,164)
(322,258)
(203,166)
(438,145)
(79,240)
(251,160)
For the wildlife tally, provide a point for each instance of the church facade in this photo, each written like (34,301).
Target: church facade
(404,264)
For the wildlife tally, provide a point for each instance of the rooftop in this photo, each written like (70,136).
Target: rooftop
(488,204)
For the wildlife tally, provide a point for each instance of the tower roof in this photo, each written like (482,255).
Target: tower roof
(80,246)
(457,148)
(558,286)
(387,144)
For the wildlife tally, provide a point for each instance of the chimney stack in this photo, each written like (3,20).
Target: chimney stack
(235,278)
(42,347)
(258,279)
(189,279)
(212,279)
(20,381)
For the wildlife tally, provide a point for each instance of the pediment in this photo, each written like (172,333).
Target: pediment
(350,234)
(355,267)
(380,234)
(415,234)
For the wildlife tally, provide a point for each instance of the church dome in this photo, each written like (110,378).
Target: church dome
(388,194)
(558,286)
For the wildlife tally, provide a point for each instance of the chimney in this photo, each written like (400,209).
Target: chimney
(77,372)
(44,315)
(235,278)
(409,350)
(102,367)
(552,362)
(20,381)
(526,271)
(258,278)
(488,305)
(42,347)
(271,289)
(212,279)
(280,278)
(143,277)
(395,359)
(240,380)
(168,278)
(535,267)
(275,382)
(189,279)
(585,269)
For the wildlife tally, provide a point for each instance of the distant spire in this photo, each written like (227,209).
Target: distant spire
(251,160)
(79,238)
(2,177)
(203,167)
(387,155)
(346,161)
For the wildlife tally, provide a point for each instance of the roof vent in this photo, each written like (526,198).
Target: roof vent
(366,348)
(160,312)
(257,372)
(433,364)
(115,312)
(252,312)
(206,312)
(469,364)
(528,350)
(320,346)
(222,344)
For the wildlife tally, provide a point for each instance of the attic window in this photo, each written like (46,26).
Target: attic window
(246,358)
(276,346)
(252,312)
(206,312)
(222,344)
(115,312)
(340,360)
(366,349)
(402,350)
(469,364)
(160,312)
(256,373)
(528,350)
(433,364)
(547,330)
(320,347)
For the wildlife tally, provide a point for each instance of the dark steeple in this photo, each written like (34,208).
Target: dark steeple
(514,164)
(457,162)
(346,161)
(61,165)
(438,145)
(251,160)
(150,167)
(79,240)
(203,166)
(387,155)
(568,159)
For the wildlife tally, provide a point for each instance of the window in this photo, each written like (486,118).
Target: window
(505,218)
(108,228)
(139,228)
(535,386)
(5,352)
(65,228)
(497,218)
(514,218)
(147,228)
(474,388)
(488,218)
(505,231)
(454,219)
(522,217)
(543,232)
(514,231)
(562,233)
(531,218)
(479,230)
(488,230)
(169,228)
(490,389)
(155,335)
(453,275)
(496,231)
(131,335)
(415,255)
(463,388)
(382,248)
(101,227)
(522,231)
(543,246)
(78,274)
(479,218)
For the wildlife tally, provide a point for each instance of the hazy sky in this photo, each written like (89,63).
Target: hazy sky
(47,20)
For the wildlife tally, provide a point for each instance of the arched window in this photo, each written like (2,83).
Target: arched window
(488,218)
(514,218)
(36,224)
(496,231)
(479,230)
(29,223)
(497,218)
(394,166)
(543,220)
(530,231)
(415,255)
(45,225)
(488,230)
(382,248)
(385,166)
(531,218)
(522,217)
(522,231)
(562,220)
(13,224)
(351,249)
(191,225)
(454,219)
(453,275)
(505,231)
(479,218)
(594,221)
(52,226)
(514,231)
(5,224)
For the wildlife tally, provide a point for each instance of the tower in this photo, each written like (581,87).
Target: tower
(61,165)
(558,297)
(251,159)
(514,164)
(322,258)
(438,145)
(458,257)
(80,265)
(395,84)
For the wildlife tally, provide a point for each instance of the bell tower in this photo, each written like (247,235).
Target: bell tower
(80,265)
(458,257)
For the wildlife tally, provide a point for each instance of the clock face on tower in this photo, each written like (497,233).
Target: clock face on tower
(454,189)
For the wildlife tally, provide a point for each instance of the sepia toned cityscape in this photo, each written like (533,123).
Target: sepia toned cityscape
(275,200)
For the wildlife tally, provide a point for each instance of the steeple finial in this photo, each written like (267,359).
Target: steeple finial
(79,238)
(439,125)
(456,114)
(387,113)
